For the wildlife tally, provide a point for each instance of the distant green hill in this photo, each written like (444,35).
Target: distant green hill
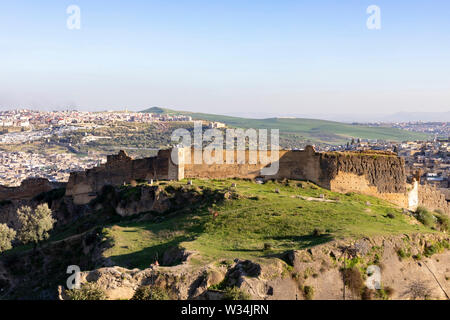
(316,131)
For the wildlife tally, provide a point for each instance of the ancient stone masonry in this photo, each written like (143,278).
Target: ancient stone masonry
(28,189)
(377,174)
(433,199)
(372,173)
(385,172)
(118,170)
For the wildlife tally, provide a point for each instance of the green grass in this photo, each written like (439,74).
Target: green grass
(316,131)
(260,216)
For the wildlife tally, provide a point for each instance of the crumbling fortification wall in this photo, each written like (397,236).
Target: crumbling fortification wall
(383,171)
(28,189)
(343,172)
(378,175)
(372,173)
(289,164)
(433,199)
(119,169)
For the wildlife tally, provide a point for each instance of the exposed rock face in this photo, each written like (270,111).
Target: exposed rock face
(318,268)
(28,189)
(63,210)
(145,198)
(36,274)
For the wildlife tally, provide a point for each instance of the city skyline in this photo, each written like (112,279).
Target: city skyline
(226,57)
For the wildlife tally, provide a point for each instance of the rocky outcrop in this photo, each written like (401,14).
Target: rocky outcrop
(63,209)
(48,264)
(316,273)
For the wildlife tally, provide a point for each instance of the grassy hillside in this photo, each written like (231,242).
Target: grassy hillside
(317,131)
(253,216)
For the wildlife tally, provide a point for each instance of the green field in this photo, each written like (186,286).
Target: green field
(258,215)
(316,131)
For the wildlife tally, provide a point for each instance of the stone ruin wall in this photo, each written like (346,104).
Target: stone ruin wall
(431,198)
(118,170)
(28,189)
(375,174)
(296,164)
(378,175)
(342,172)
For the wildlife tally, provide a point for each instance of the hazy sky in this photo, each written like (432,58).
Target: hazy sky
(227,56)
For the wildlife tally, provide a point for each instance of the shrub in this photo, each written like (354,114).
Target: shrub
(353,280)
(88,291)
(444,222)
(417,257)
(389,291)
(368,294)
(436,248)
(385,293)
(308,292)
(402,254)
(150,293)
(7,235)
(425,217)
(377,259)
(234,293)
(391,215)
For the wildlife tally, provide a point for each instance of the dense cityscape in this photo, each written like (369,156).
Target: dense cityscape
(22,127)
(24,118)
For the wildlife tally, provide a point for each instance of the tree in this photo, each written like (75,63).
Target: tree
(7,235)
(35,224)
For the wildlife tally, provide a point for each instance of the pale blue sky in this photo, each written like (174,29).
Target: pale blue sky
(227,56)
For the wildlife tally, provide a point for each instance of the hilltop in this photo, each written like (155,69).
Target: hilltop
(310,130)
(237,219)
(277,240)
